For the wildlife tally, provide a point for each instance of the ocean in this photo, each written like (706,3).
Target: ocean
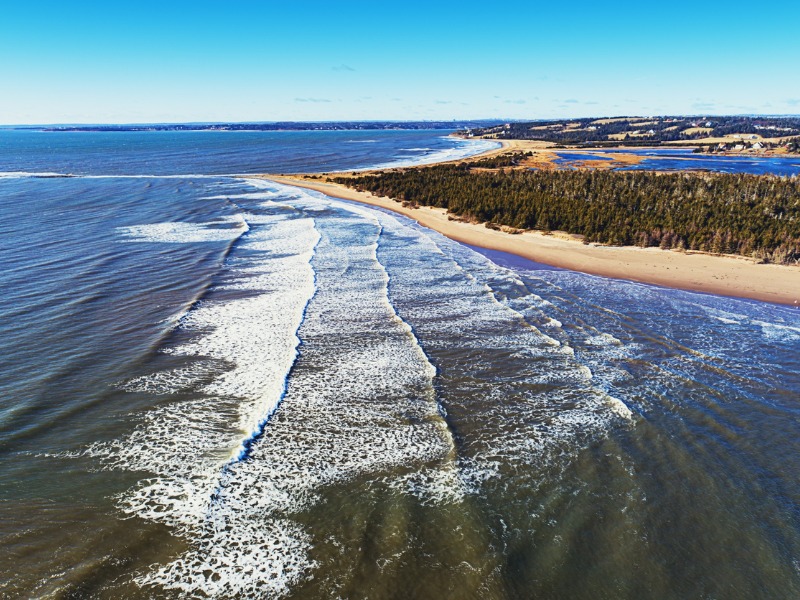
(218,386)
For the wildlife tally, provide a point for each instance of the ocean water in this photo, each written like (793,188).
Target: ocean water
(224,387)
(221,152)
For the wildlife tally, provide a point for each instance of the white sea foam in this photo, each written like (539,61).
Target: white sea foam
(597,350)
(182,445)
(462,149)
(619,407)
(727,321)
(359,405)
(172,381)
(30,175)
(246,557)
(437,486)
(778,332)
(360,402)
(257,333)
(602,339)
(245,348)
(183,233)
(450,294)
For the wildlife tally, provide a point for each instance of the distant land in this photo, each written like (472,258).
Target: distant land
(275,126)
(709,132)
(706,133)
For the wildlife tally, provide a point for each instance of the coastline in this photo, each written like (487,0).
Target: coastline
(546,152)
(738,277)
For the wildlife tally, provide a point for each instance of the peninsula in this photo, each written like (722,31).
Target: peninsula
(748,249)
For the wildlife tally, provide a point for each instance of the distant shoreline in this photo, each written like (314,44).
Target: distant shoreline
(609,157)
(390,125)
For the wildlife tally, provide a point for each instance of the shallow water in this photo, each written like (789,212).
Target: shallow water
(229,388)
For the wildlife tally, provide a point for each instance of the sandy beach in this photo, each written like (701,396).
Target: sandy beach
(723,275)
(544,155)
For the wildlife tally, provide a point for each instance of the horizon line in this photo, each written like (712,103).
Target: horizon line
(334,121)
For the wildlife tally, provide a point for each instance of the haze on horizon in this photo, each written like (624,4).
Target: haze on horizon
(147,62)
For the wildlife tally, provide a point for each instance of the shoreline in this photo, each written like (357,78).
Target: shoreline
(620,155)
(738,277)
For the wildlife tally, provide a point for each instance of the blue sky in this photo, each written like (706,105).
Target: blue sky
(126,62)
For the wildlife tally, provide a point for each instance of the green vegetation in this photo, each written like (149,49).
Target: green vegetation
(750,215)
(509,159)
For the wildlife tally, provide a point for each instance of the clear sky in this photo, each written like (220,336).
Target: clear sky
(172,61)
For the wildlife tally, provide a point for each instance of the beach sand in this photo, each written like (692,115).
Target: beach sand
(724,275)
(545,155)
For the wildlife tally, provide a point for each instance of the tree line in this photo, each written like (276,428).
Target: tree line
(509,159)
(750,215)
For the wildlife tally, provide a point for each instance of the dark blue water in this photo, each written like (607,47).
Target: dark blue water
(220,152)
(218,387)
(682,159)
(569,157)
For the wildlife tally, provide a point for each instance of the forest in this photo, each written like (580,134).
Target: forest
(751,215)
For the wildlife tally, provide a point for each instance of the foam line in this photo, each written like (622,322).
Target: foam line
(30,175)
(447,291)
(256,337)
(359,401)
(183,233)
(463,149)
(247,443)
(313,362)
